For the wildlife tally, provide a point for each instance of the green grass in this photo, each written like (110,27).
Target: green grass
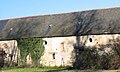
(31,69)
(20,70)
(51,70)
(24,70)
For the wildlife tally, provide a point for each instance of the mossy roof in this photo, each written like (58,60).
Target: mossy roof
(90,22)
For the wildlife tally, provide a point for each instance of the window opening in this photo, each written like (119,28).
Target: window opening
(90,39)
(45,42)
(53,55)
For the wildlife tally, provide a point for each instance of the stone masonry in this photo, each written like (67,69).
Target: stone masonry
(60,51)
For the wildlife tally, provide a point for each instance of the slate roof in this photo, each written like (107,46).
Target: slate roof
(90,22)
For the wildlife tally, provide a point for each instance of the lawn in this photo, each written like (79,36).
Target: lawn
(52,70)
(31,70)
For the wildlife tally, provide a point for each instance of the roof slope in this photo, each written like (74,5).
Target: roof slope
(101,21)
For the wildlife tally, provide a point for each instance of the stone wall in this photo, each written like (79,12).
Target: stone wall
(11,50)
(60,51)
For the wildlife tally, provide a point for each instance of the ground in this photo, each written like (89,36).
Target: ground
(52,70)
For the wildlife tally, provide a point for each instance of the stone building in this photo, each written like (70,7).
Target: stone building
(60,51)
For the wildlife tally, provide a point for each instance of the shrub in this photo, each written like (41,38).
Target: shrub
(91,59)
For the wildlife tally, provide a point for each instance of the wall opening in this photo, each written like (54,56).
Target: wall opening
(53,55)
(90,39)
(45,42)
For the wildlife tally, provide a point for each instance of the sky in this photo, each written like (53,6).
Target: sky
(22,8)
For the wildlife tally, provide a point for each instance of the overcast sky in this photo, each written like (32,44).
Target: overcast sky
(22,8)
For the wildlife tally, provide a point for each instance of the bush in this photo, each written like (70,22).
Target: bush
(91,59)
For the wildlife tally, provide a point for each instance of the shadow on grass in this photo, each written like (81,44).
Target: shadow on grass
(71,69)
(57,70)
(83,71)
(0,68)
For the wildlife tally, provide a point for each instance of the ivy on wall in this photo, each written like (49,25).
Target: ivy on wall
(32,46)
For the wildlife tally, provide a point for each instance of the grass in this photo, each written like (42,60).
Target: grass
(20,70)
(51,70)
(43,69)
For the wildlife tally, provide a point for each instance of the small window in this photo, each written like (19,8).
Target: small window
(90,39)
(53,55)
(45,42)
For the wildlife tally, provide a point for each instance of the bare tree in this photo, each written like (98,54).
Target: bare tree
(83,26)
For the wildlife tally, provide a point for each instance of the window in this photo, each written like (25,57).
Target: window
(90,39)
(53,55)
(45,42)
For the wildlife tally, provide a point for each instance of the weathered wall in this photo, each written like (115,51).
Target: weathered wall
(63,48)
(11,50)
(101,21)
(60,51)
